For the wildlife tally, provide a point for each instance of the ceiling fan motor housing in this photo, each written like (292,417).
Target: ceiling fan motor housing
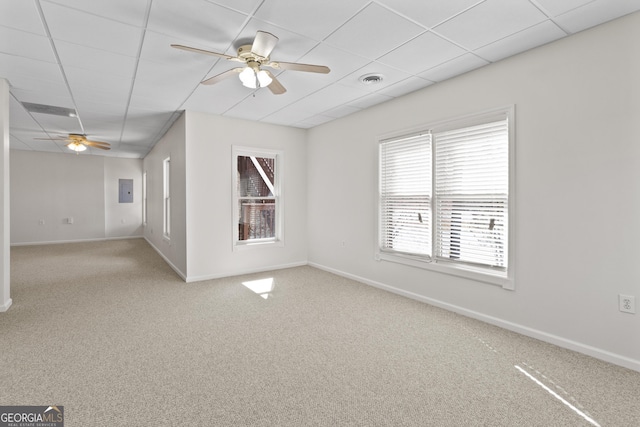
(244,52)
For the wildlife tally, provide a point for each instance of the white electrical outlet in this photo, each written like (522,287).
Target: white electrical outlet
(627,303)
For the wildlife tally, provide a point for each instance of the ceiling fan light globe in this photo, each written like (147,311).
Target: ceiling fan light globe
(76,146)
(263,78)
(248,78)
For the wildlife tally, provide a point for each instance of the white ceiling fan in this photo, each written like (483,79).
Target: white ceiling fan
(254,56)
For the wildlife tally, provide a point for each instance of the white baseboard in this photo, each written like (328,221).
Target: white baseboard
(229,273)
(597,353)
(58,242)
(167,260)
(241,272)
(5,306)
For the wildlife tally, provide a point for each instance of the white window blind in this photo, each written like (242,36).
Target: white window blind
(405,196)
(471,194)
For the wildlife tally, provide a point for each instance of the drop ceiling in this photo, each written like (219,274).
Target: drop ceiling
(111,62)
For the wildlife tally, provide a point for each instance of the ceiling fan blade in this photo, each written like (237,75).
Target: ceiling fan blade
(263,44)
(55,138)
(94,145)
(294,66)
(221,76)
(275,86)
(205,52)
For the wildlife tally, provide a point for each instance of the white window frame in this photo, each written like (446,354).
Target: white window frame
(278,196)
(144,198)
(505,278)
(166,198)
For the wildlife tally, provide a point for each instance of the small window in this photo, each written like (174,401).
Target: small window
(444,198)
(257,197)
(166,228)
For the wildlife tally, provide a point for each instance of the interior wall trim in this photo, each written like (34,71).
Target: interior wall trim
(597,353)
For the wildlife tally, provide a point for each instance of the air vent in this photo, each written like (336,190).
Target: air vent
(371,79)
(49,109)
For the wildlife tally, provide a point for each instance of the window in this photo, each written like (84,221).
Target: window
(257,196)
(444,198)
(166,224)
(144,198)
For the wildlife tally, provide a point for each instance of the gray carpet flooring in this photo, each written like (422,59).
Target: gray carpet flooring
(107,330)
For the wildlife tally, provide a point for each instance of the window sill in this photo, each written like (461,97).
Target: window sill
(241,246)
(467,272)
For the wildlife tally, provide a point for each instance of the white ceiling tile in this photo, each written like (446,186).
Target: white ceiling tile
(264,102)
(423,52)
(373,32)
(58,124)
(198,21)
(595,13)
(108,88)
(29,45)
(130,12)
(460,65)
(405,86)
(243,6)
(339,61)
(341,111)
(389,75)
(157,48)
(327,98)
(17,68)
(90,30)
(54,98)
(537,35)
(132,101)
(254,107)
(430,13)
(287,116)
(90,59)
(558,7)
(490,21)
(22,15)
(90,109)
(21,120)
(147,119)
(369,100)
(175,83)
(312,121)
(218,98)
(165,103)
(315,20)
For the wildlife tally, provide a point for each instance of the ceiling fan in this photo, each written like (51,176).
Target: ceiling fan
(255,56)
(78,142)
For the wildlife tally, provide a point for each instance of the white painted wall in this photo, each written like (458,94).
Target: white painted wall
(122,219)
(209,198)
(577,228)
(174,250)
(5,189)
(49,188)
(200,246)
